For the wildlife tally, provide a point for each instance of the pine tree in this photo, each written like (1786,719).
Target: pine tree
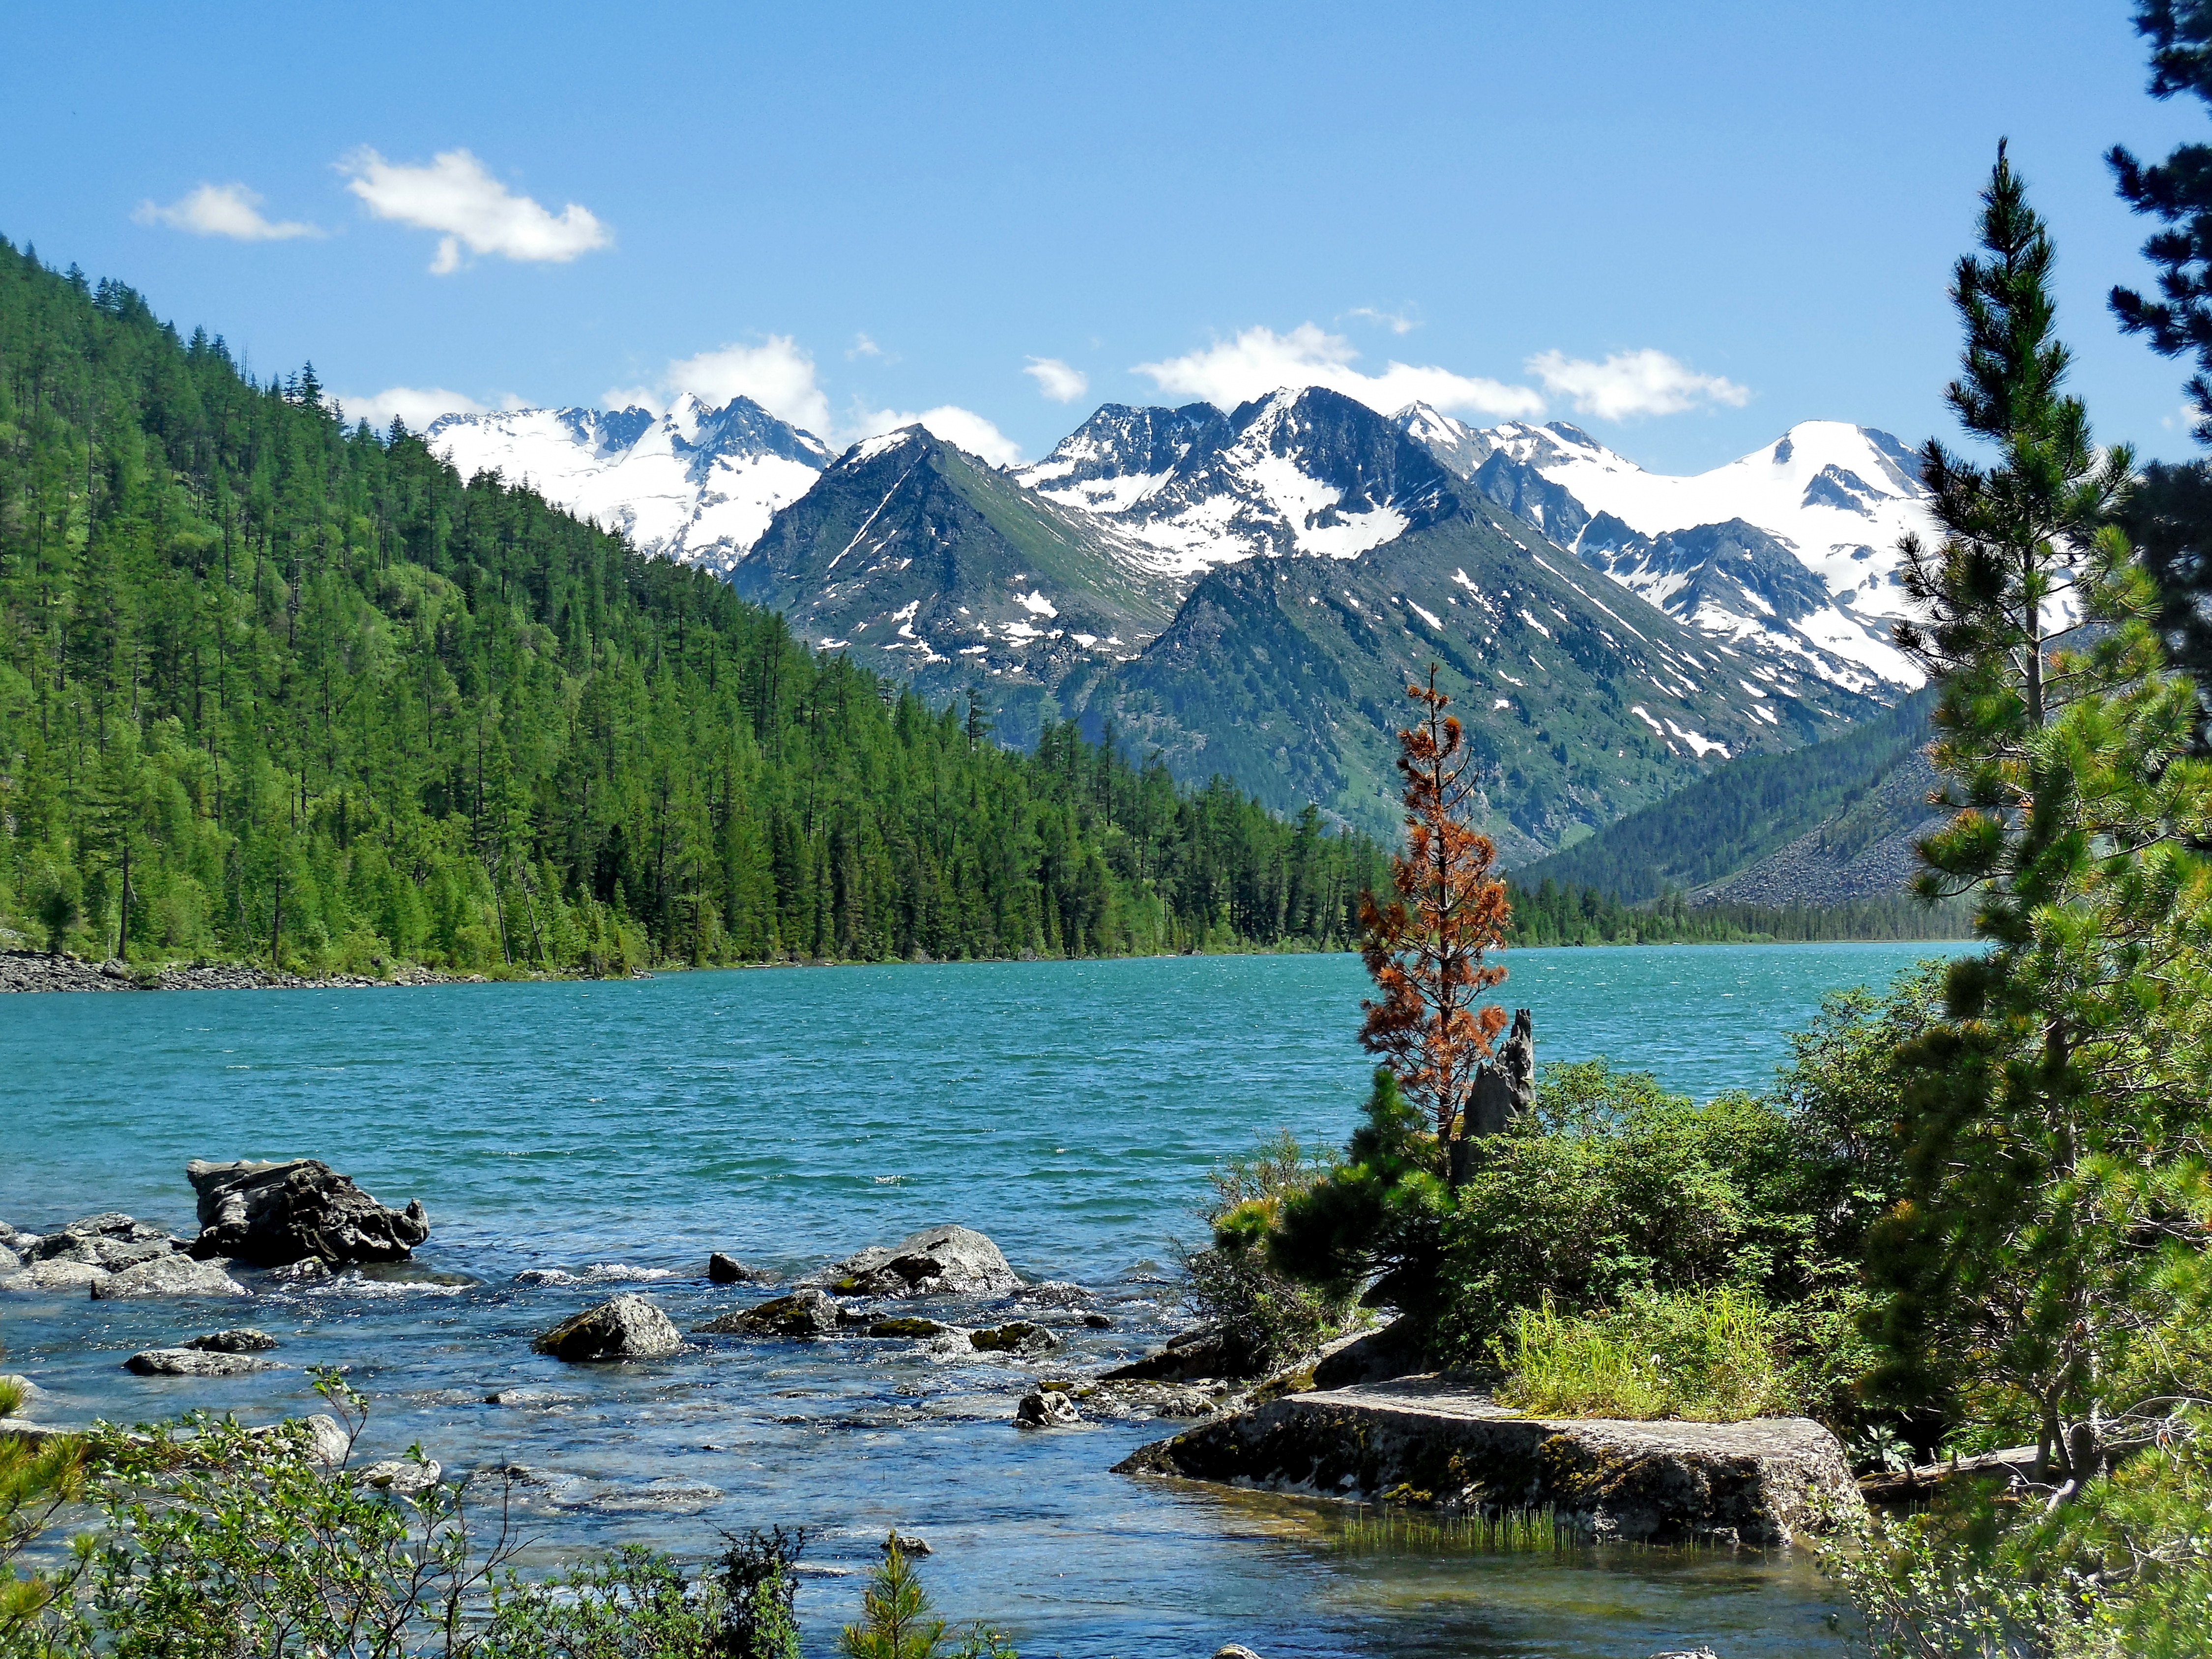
(2057,1120)
(1426,948)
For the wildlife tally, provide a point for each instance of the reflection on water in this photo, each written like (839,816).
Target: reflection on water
(571,1140)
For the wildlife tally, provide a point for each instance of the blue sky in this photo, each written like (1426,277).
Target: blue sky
(1683,226)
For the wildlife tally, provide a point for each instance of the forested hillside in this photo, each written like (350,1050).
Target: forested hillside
(274,686)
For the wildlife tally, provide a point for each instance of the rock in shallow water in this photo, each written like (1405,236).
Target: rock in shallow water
(272,1214)
(1047,1408)
(194,1361)
(240,1339)
(53,1276)
(403,1477)
(801,1315)
(626,1327)
(936,1261)
(1019,1337)
(168,1276)
(726,1270)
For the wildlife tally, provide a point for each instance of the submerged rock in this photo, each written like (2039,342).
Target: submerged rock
(168,1276)
(52,1276)
(1046,1408)
(626,1326)
(1234,1650)
(1420,1441)
(938,1260)
(726,1270)
(913,1329)
(908,1543)
(273,1214)
(1019,1337)
(195,1362)
(802,1315)
(240,1339)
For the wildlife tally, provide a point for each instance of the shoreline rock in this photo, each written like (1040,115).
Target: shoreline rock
(168,1275)
(1423,1441)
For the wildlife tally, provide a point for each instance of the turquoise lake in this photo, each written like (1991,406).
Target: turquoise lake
(572,1138)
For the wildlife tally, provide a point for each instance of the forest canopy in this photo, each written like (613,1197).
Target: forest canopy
(275,686)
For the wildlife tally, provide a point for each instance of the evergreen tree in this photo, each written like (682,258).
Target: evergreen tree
(2055,1120)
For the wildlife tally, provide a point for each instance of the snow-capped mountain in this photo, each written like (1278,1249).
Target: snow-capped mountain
(1794,545)
(697,483)
(1301,471)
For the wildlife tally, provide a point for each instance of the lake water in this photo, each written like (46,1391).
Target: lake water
(589,1136)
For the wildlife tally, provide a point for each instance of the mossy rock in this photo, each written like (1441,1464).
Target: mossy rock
(1021,1336)
(915,1329)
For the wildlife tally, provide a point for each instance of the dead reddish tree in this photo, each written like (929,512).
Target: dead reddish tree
(1426,948)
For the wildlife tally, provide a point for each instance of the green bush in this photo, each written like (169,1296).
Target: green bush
(1266,1320)
(1706,1355)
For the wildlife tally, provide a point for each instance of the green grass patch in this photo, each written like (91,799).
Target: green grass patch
(1702,1356)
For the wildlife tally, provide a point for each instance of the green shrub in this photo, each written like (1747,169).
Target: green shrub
(1266,1318)
(1707,1356)
(36,1481)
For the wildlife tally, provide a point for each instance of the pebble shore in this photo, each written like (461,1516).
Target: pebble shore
(34,970)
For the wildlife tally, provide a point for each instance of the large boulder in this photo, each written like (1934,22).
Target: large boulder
(167,1276)
(111,1241)
(626,1327)
(273,1214)
(938,1260)
(56,1276)
(800,1317)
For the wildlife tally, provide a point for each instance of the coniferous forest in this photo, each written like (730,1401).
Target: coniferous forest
(275,686)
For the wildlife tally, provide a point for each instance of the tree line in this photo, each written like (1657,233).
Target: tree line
(274,686)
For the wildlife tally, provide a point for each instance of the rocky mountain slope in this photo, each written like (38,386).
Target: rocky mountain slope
(1828,822)
(922,561)
(1581,701)
(1792,547)
(697,484)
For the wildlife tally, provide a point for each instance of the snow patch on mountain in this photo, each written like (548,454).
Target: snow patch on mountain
(698,484)
(1300,471)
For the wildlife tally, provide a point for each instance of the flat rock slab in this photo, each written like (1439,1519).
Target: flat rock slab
(1423,1441)
(195,1362)
(168,1276)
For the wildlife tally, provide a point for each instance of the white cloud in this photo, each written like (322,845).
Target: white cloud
(625,397)
(955,425)
(778,374)
(230,210)
(455,194)
(1396,321)
(1631,383)
(863,347)
(1259,361)
(416,405)
(1056,380)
